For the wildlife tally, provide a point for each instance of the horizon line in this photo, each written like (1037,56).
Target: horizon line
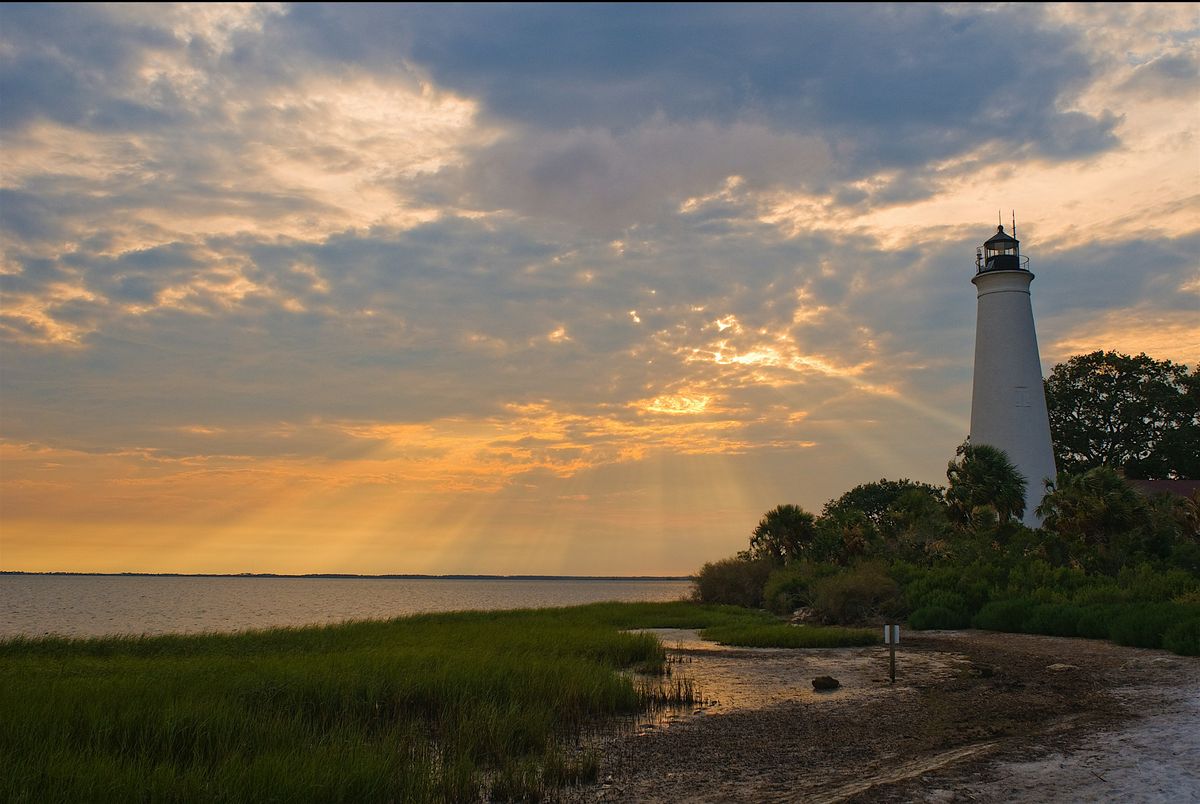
(386,576)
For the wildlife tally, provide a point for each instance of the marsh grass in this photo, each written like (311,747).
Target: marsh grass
(446,707)
(780,635)
(668,693)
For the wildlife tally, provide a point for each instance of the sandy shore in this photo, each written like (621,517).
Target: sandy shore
(973,716)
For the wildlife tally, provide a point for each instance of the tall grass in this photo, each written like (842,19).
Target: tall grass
(446,707)
(757,635)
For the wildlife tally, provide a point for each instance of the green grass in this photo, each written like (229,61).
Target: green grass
(446,707)
(778,635)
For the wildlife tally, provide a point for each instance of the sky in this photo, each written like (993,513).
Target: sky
(565,289)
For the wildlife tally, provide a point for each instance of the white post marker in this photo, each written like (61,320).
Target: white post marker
(891,638)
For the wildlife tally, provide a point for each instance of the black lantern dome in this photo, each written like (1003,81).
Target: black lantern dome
(1002,252)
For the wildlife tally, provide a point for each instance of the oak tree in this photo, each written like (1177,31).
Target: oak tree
(1135,414)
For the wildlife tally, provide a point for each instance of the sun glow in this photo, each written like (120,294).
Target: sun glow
(676,404)
(302,289)
(1164,336)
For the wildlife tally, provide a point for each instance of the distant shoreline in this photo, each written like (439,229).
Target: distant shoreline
(341,575)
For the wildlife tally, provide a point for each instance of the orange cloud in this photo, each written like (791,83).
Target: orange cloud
(1163,335)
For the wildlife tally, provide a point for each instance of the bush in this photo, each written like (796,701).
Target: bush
(1053,619)
(857,595)
(1186,556)
(940,598)
(1183,638)
(1189,598)
(1143,626)
(1095,621)
(1050,584)
(788,588)
(1004,615)
(1101,594)
(957,587)
(938,617)
(736,581)
(1148,584)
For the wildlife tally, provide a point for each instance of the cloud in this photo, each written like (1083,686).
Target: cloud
(900,84)
(1170,75)
(617,113)
(1105,275)
(608,181)
(67,64)
(496,258)
(1140,328)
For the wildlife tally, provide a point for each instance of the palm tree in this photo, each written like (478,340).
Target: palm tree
(1093,507)
(1105,517)
(783,534)
(984,485)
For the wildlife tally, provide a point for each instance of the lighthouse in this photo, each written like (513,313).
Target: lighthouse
(1008,404)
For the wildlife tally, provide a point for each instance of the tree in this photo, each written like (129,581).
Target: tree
(1094,507)
(916,525)
(734,581)
(844,536)
(897,517)
(873,499)
(984,484)
(1100,512)
(783,534)
(1136,414)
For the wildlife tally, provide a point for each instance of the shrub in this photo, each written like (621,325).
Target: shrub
(970,586)
(788,588)
(938,617)
(1004,615)
(907,573)
(857,595)
(1183,637)
(940,598)
(1186,556)
(1050,584)
(1095,621)
(1101,594)
(1148,584)
(735,581)
(1053,619)
(1143,626)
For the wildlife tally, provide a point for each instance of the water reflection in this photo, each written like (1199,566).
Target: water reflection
(727,679)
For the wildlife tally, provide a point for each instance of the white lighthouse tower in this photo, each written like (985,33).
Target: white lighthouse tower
(1008,404)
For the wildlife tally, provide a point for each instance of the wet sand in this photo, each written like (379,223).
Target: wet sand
(973,716)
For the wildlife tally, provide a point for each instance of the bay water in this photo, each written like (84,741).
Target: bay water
(103,605)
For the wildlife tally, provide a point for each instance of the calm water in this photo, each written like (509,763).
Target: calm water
(33,605)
